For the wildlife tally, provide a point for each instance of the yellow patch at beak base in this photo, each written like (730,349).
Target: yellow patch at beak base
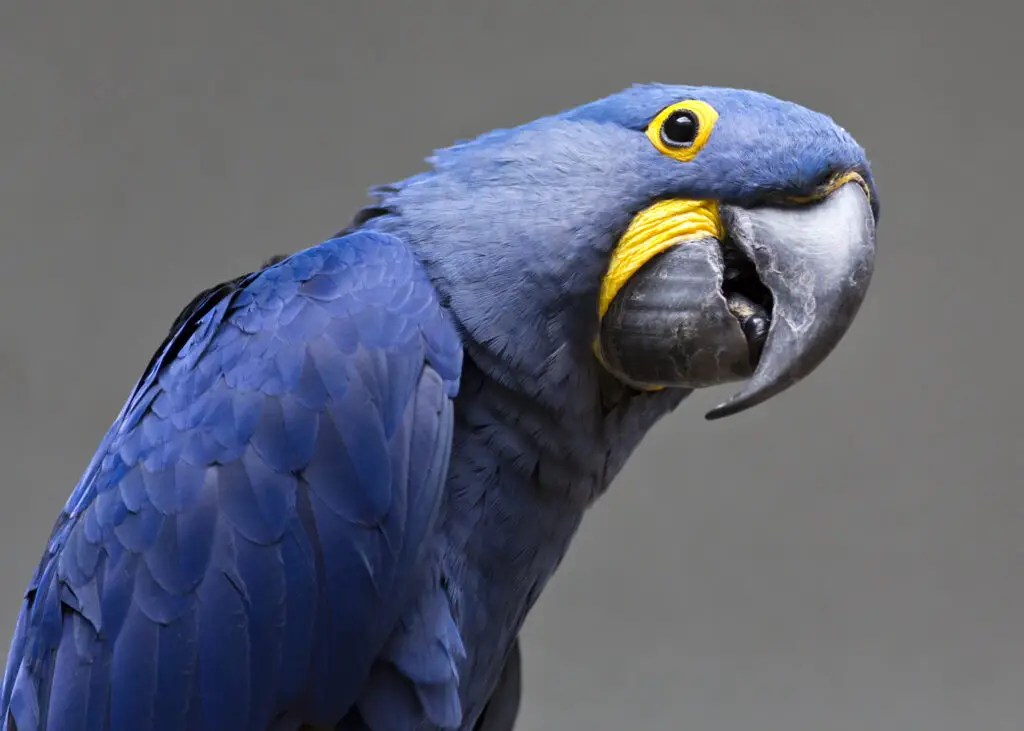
(665,224)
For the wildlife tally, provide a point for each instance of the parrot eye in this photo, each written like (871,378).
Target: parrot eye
(680,129)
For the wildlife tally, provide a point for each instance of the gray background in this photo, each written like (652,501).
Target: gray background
(846,557)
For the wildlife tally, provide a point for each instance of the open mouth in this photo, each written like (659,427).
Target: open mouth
(749,301)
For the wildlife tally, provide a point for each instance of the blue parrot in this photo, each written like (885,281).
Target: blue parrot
(344,479)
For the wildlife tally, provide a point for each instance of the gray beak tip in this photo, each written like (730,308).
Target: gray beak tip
(731,407)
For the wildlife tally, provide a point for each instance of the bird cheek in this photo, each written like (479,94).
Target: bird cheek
(671,324)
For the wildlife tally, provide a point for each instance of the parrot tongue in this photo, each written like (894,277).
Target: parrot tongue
(816,261)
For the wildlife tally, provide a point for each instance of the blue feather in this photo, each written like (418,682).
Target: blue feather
(224,663)
(72,674)
(261,569)
(176,672)
(300,596)
(134,687)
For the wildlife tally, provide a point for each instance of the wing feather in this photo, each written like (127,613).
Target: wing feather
(250,530)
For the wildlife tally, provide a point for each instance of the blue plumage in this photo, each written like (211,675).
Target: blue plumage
(253,523)
(311,509)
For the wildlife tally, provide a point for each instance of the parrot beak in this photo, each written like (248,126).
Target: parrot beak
(764,300)
(816,260)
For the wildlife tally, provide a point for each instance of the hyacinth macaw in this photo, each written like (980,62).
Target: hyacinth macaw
(344,479)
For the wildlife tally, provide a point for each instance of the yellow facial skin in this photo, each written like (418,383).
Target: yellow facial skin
(834,183)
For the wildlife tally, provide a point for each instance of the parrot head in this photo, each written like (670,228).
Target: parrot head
(672,237)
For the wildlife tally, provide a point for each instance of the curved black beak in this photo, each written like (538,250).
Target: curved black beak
(816,260)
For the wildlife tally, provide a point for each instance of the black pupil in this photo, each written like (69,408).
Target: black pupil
(680,129)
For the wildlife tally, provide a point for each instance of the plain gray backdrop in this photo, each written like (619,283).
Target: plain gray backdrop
(848,557)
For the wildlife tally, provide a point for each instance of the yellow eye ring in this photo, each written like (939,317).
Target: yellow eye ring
(682,129)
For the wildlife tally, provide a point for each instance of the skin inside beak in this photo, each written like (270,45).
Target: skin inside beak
(816,260)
